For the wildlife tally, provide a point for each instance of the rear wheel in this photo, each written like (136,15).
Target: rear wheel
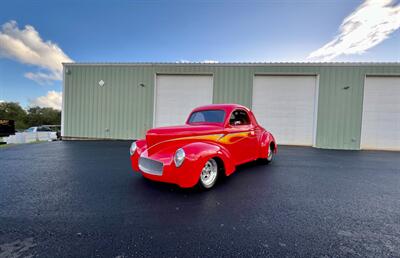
(270,156)
(209,174)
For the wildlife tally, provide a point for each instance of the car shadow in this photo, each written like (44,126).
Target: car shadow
(145,185)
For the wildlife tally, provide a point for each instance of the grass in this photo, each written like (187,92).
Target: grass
(3,146)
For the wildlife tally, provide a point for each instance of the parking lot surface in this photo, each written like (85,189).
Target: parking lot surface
(62,199)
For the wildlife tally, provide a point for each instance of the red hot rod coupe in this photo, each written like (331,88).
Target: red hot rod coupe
(215,139)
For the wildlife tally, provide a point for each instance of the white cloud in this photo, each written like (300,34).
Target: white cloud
(370,24)
(42,77)
(53,99)
(183,61)
(209,61)
(27,47)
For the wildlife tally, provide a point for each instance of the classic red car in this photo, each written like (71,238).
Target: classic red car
(215,139)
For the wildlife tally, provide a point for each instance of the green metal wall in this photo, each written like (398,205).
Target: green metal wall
(123,107)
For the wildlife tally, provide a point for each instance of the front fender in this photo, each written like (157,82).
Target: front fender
(140,147)
(188,174)
(200,152)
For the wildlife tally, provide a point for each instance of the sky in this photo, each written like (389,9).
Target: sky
(37,36)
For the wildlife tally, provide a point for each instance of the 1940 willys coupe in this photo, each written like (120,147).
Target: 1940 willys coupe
(215,139)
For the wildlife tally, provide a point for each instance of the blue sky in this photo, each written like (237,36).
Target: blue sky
(170,31)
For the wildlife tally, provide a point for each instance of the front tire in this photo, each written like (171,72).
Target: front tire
(209,174)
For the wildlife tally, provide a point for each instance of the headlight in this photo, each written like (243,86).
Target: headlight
(133,147)
(179,157)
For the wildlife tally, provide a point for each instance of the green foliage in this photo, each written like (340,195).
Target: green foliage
(35,116)
(43,116)
(13,111)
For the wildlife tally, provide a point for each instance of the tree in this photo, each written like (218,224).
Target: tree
(34,117)
(43,116)
(13,111)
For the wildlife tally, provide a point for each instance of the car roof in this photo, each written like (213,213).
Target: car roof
(226,107)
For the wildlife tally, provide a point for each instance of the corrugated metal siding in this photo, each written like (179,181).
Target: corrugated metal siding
(126,109)
(121,109)
(233,85)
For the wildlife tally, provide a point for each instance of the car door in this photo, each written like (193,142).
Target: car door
(241,137)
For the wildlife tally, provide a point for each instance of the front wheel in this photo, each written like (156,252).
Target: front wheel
(209,174)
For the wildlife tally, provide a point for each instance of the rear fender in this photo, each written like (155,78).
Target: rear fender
(266,139)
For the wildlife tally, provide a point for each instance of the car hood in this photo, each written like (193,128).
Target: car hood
(161,134)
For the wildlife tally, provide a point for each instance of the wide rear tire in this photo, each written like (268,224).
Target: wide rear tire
(270,156)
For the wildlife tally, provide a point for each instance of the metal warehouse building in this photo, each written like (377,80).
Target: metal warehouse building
(325,105)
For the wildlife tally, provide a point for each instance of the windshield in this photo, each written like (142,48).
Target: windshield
(207,116)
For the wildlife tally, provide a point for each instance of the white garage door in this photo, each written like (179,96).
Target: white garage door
(285,106)
(381,113)
(177,95)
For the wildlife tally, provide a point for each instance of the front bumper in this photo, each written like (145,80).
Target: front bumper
(162,168)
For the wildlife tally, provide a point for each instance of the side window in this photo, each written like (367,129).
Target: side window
(30,129)
(43,129)
(239,117)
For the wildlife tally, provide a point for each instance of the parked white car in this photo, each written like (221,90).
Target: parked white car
(32,134)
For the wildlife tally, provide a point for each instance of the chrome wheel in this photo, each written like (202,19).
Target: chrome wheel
(270,154)
(209,174)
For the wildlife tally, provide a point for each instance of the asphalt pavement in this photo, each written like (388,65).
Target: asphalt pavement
(81,199)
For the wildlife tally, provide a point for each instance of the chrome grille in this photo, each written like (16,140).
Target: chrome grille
(151,166)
